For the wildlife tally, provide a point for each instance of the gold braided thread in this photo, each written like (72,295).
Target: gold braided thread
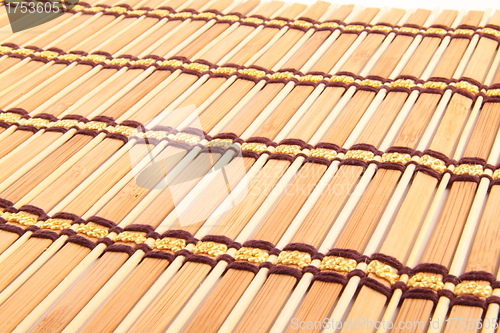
(427,281)
(222,143)
(96,58)
(311,78)
(337,264)
(492,92)
(490,31)
(332,25)
(437,31)
(160,12)
(95,125)
(294,258)
(251,255)
(280,23)
(153,135)
(150,62)
(49,54)
(55,224)
(65,123)
(169,244)
(137,12)
(70,57)
(20,218)
(469,169)
(410,30)
(225,70)
(302,24)
(473,288)
(382,28)
(182,15)
(464,85)
(433,163)
(91,10)
(363,155)
(468,32)
(383,271)
(402,83)
(496,174)
(91,231)
(35,122)
(343,78)
(328,154)
(118,61)
(435,85)
(254,147)
(396,158)
(253,20)
(117,10)
(354,28)
(10,117)
(253,72)
(197,67)
(120,129)
(231,18)
(21,51)
(130,237)
(288,150)
(282,75)
(211,249)
(187,138)
(371,83)
(207,15)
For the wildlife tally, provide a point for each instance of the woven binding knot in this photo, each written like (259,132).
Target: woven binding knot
(170,244)
(288,150)
(425,280)
(55,224)
(10,117)
(222,143)
(338,264)
(464,85)
(254,146)
(433,163)
(20,218)
(95,125)
(473,288)
(363,155)
(469,169)
(383,271)
(294,258)
(251,255)
(130,237)
(396,158)
(210,249)
(91,231)
(328,154)
(187,138)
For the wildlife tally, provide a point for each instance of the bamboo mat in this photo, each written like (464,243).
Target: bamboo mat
(249,166)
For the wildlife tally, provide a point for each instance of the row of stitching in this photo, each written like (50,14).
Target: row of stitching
(301,23)
(251,255)
(436,162)
(467,86)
